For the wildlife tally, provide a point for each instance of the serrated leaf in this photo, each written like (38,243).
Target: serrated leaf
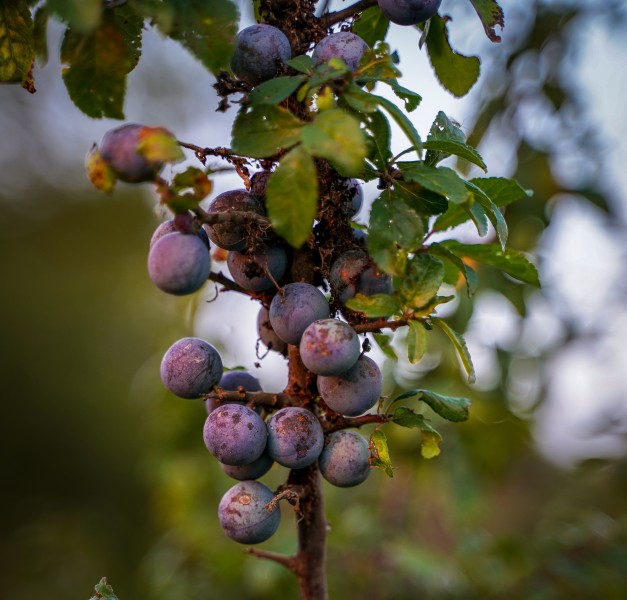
(302,64)
(380,136)
(456,72)
(327,72)
(359,100)
(395,228)
(460,346)
(423,277)
(206,28)
(193,178)
(104,591)
(445,148)
(459,213)
(430,444)
(492,211)
(385,343)
(423,200)
(379,453)
(416,342)
(336,136)
(448,407)
(500,190)
(377,305)
(514,263)
(411,99)
(157,144)
(469,274)
(98,63)
(377,64)
(372,26)
(491,15)
(81,15)
(441,180)
(407,127)
(264,130)
(100,174)
(275,90)
(17,48)
(292,196)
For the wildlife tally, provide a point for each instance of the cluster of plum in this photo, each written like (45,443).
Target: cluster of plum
(260,49)
(245,445)
(246,438)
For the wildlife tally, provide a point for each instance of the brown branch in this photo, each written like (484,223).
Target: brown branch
(289,562)
(350,11)
(349,422)
(291,493)
(254,398)
(379,324)
(220,152)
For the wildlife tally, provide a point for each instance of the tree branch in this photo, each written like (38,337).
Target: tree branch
(289,562)
(349,422)
(341,15)
(254,398)
(379,324)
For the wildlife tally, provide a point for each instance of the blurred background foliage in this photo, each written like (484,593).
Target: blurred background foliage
(103,473)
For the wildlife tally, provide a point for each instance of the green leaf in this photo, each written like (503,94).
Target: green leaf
(359,100)
(423,278)
(17,48)
(423,200)
(206,28)
(395,228)
(411,99)
(430,445)
(441,180)
(334,69)
(444,148)
(372,26)
(500,190)
(302,64)
(377,305)
(82,16)
(492,211)
(456,72)
(104,591)
(448,407)
(416,342)
(292,196)
(460,346)
(380,136)
(379,453)
(338,137)
(195,179)
(491,15)
(275,90)
(469,274)
(385,343)
(264,130)
(514,263)
(402,121)
(99,62)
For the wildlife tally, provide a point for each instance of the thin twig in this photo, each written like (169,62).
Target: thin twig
(379,324)
(353,422)
(253,398)
(289,562)
(341,15)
